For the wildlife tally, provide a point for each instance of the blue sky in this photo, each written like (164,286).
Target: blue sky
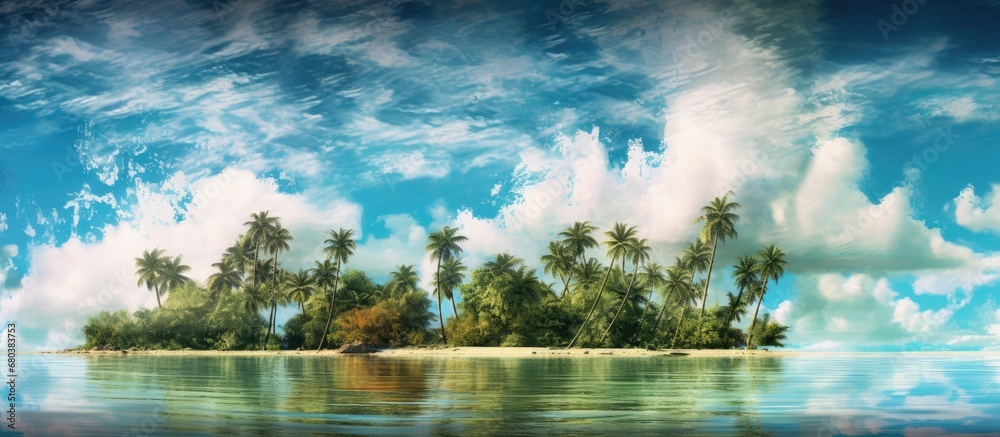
(867,152)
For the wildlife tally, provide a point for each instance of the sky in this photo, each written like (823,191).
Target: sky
(859,136)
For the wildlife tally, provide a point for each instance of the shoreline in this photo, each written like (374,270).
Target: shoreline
(501,352)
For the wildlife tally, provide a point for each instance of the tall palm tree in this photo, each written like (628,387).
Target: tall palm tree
(403,280)
(618,238)
(325,275)
(451,276)
(772,267)
(226,279)
(275,242)
(240,255)
(745,273)
(719,224)
(149,269)
(687,300)
(677,283)
(559,262)
(638,252)
(301,286)
(737,307)
(577,239)
(652,276)
(260,226)
(340,246)
(173,274)
(443,245)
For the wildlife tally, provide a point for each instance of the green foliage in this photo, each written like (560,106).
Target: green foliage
(188,319)
(767,332)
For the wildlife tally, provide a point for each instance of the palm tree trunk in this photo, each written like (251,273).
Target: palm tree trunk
(658,317)
(642,319)
(256,253)
(635,272)
(677,332)
(568,278)
(453,307)
(273,313)
(437,289)
(763,291)
(708,279)
(329,313)
(594,306)
(156,290)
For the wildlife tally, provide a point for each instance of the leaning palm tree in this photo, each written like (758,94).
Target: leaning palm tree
(340,246)
(772,267)
(652,276)
(719,224)
(691,298)
(577,239)
(324,275)
(403,280)
(301,286)
(149,269)
(746,274)
(638,252)
(737,307)
(173,274)
(559,263)
(443,245)
(260,225)
(226,279)
(275,242)
(677,283)
(618,238)
(451,276)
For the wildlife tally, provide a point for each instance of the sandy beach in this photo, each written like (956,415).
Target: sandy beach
(460,352)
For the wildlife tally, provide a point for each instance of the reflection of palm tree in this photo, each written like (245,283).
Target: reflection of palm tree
(452,274)
(149,269)
(340,246)
(720,224)
(638,252)
(772,267)
(443,245)
(300,287)
(617,242)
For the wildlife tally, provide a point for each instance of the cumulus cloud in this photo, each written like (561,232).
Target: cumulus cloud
(978,213)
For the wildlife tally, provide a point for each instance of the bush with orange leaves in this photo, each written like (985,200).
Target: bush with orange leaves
(377,326)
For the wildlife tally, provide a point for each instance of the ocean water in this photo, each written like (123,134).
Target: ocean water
(911,394)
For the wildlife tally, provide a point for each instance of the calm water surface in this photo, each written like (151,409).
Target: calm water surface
(823,395)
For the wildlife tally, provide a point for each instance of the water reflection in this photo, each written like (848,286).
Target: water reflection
(296,394)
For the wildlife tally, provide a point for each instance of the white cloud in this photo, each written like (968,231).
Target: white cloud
(978,213)
(961,109)
(69,282)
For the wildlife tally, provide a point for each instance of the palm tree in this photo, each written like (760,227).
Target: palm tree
(226,279)
(559,262)
(618,238)
(737,307)
(589,272)
(720,224)
(443,245)
(325,275)
(746,274)
(577,239)
(240,255)
(638,252)
(300,287)
(340,246)
(677,283)
(772,267)
(260,226)
(173,274)
(253,299)
(652,276)
(451,277)
(149,269)
(690,299)
(275,242)
(502,263)
(403,280)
